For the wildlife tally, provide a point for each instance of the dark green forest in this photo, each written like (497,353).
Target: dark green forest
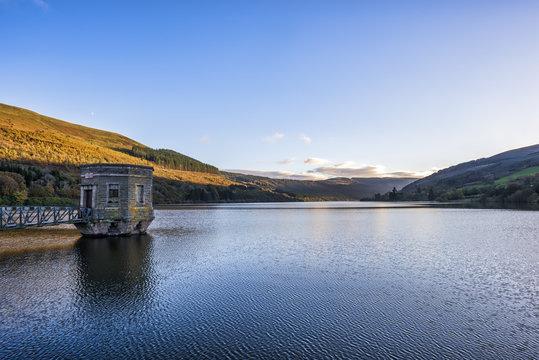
(522,193)
(171,159)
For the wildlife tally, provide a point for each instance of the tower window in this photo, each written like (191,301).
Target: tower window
(140,194)
(114,194)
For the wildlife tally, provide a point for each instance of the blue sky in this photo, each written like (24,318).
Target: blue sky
(305,89)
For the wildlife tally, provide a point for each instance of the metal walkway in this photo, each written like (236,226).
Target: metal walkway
(28,216)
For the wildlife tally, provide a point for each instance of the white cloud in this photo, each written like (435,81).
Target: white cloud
(273,138)
(316,161)
(287,161)
(280,174)
(350,169)
(305,138)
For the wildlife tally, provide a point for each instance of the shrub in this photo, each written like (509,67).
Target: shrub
(8,186)
(37,190)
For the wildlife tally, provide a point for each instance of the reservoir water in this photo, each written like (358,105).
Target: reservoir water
(308,280)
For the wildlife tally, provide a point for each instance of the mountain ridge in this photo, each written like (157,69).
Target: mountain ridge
(47,152)
(32,138)
(481,171)
(331,189)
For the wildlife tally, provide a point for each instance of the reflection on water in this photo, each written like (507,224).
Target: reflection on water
(283,281)
(114,270)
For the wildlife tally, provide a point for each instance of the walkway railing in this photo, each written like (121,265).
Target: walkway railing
(26,216)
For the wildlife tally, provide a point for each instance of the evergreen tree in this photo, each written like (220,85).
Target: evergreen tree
(393,195)
(431,195)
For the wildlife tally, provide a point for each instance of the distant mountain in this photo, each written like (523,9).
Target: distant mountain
(482,171)
(330,189)
(46,152)
(40,155)
(506,180)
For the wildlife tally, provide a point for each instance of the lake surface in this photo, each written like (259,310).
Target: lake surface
(315,280)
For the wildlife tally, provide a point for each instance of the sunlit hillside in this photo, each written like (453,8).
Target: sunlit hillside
(46,153)
(28,137)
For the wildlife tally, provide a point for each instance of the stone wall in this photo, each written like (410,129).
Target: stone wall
(127,211)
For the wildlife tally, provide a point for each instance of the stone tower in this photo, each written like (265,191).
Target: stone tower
(120,196)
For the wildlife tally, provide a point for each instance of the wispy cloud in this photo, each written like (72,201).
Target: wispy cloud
(350,169)
(280,174)
(41,3)
(305,138)
(287,161)
(347,169)
(316,161)
(274,138)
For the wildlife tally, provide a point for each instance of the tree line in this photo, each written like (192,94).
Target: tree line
(522,192)
(171,159)
(30,185)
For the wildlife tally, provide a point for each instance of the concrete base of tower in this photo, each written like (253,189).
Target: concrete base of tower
(102,228)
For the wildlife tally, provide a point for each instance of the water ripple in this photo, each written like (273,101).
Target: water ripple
(263,283)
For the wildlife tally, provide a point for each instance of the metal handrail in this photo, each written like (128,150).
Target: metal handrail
(28,216)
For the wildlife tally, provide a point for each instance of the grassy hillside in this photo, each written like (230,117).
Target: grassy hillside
(508,179)
(28,121)
(30,138)
(531,171)
(481,172)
